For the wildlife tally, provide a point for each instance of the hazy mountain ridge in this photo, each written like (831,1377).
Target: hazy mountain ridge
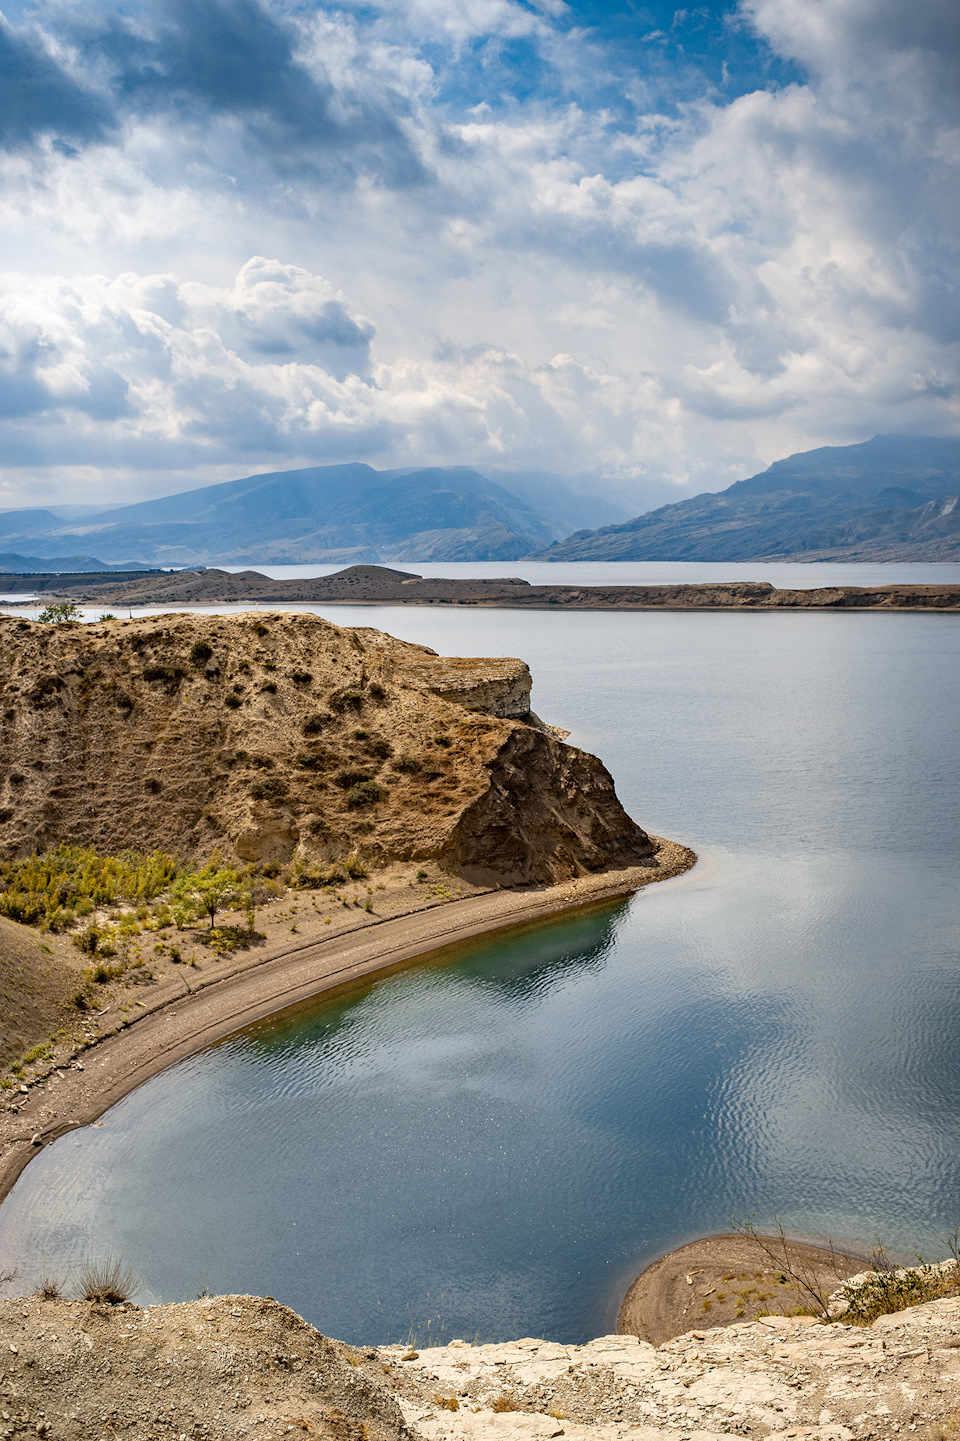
(888,498)
(334,514)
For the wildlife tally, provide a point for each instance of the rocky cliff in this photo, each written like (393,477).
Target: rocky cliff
(236,1366)
(269,737)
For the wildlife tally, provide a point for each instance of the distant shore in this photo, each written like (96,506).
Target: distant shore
(253,985)
(381,585)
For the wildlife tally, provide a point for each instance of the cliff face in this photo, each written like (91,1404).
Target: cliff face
(273,736)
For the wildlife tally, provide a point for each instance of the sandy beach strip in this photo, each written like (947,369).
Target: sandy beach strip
(181,1022)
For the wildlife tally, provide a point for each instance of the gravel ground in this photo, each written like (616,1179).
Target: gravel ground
(237,1366)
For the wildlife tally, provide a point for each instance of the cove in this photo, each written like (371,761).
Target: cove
(497,1140)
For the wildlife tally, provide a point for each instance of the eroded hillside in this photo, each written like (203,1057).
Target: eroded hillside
(270,737)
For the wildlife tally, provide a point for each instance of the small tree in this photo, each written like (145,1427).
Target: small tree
(61,613)
(208,891)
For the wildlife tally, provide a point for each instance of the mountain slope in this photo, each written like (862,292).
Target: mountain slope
(337,513)
(886,499)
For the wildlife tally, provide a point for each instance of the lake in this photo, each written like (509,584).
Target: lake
(495,1142)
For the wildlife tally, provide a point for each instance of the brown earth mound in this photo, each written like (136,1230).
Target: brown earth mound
(269,737)
(229,1366)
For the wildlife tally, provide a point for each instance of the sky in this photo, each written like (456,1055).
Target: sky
(646,248)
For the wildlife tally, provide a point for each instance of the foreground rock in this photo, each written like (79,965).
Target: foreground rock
(274,737)
(240,1366)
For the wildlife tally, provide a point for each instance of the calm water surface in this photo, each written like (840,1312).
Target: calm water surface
(506,1137)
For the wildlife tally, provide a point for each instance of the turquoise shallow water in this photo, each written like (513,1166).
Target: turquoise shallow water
(503,1138)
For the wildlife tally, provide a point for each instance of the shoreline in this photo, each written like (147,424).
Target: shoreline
(718,1280)
(180,1024)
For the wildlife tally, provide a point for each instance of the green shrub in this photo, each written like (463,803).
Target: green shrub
(355,867)
(380,748)
(366,793)
(201,651)
(61,613)
(48,889)
(408,765)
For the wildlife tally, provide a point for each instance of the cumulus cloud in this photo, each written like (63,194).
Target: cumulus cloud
(479,260)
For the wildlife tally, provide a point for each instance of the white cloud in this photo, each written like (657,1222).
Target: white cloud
(524,281)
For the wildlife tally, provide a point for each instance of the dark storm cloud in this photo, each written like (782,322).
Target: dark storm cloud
(40,99)
(231,58)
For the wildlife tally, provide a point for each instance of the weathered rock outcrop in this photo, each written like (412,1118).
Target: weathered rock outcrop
(273,736)
(239,1366)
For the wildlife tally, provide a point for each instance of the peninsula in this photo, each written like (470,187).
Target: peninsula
(387,801)
(380,585)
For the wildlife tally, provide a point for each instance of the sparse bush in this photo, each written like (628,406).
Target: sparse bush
(350,698)
(107,615)
(88,940)
(301,677)
(170,675)
(232,702)
(270,686)
(355,867)
(407,765)
(347,778)
(376,691)
(61,613)
(48,1288)
(272,788)
(366,793)
(443,740)
(201,651)
(109,1282)
(503,1402)
(380,748)
(313,724)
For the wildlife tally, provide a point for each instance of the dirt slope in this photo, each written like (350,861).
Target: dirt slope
(39,976)
(273,736)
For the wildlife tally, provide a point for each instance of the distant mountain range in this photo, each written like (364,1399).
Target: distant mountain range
(332,513)
(12,564)
(892,498)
